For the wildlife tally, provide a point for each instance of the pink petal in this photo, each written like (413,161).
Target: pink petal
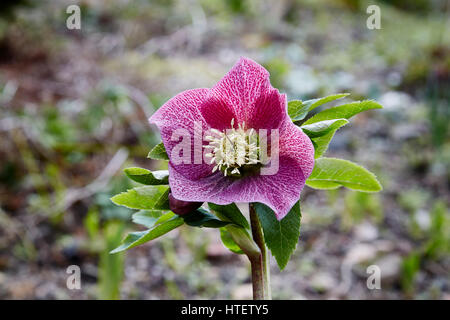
(242,86)
(217,113)
(269,110)
(280,191)
(181,112)
(205,189)
(295,144)
(246,94)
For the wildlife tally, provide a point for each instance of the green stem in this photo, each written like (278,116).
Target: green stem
(259,263)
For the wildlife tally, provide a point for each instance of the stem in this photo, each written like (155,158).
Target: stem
(257,277)
(259,263)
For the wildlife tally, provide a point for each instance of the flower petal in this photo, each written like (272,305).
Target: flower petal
(182,113)
(242,86)
(204,189)
(182,110)
(279,191)
(269,110)
(295,144)
(217,113)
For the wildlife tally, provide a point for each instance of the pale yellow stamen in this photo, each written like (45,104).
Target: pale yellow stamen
(233,148)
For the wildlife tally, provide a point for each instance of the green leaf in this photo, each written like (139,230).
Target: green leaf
(202,218)
(331,173)
(238,230)
(321,143)
(281,236)
(321,134)
(230,213)
(321,128)
(345,111)
(243,240)
(147,218)
(158,152)
(228,241)
(314,103)
(134,239)
(297,110)
(142,198)
(147,177)
(163,201)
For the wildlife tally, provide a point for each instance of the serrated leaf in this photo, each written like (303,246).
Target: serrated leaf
(228,241)
(147,218)
(158,152)
(344,111)
(230,213)
(134,239)
(141,198)
(282,236)
(314,103)
(331,173)
(321,128)
(297,110)
(202,218)
(147,177)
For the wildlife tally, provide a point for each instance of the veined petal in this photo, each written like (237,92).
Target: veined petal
(182,114)
(203,189)
(242,86)
(217,113)
(269,111)
(245,94)
(279,191)
(182,110)
(295,144)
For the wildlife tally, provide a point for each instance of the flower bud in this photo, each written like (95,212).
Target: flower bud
(182,207)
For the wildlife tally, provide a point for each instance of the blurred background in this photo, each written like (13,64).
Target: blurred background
(73,112)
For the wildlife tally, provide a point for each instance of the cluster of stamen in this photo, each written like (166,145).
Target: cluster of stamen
(233,149)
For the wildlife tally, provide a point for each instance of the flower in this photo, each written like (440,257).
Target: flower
(235,113)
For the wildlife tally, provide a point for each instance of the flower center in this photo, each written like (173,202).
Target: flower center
(233,150)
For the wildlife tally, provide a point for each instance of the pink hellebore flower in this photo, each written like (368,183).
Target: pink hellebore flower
(233,112)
